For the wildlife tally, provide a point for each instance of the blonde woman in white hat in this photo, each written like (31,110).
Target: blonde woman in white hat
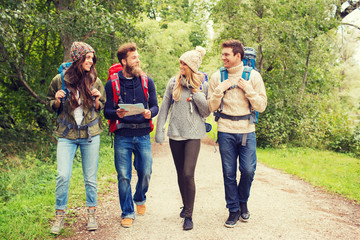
(185,95)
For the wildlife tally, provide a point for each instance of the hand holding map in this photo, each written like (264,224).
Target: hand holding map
(132,109)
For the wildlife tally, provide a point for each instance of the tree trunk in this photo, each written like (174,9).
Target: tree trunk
(260,57)
(260,13)
(113,47)
(21,80)
(302,90)
(66,37)
(66,40)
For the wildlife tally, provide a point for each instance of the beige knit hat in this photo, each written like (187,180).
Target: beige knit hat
(193,58)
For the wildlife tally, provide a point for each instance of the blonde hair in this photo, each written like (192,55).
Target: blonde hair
(192,78)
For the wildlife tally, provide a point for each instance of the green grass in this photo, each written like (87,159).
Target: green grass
(28,193)
(337,173)
(27,199)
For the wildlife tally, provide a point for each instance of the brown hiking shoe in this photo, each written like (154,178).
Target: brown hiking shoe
(127,222)
(141,209)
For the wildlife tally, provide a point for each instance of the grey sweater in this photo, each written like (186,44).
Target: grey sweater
(187,118)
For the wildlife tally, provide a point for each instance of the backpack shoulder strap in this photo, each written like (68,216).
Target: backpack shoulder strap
(246,75)
(62,69)
(223,73)
(145,83)
(246,72)
(63,86)
(116,88)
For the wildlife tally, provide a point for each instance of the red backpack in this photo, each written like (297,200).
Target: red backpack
(113,77)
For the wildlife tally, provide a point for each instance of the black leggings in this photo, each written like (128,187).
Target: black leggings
(185,154)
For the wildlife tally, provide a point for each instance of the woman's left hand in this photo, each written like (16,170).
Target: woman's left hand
(96,93)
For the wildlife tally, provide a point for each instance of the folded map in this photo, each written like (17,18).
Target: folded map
(132,109)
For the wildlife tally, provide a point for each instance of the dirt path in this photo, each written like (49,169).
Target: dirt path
(281,207)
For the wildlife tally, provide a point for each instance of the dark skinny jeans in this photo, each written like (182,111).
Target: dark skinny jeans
(185,154)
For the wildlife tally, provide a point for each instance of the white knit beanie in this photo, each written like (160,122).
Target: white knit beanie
(193,58)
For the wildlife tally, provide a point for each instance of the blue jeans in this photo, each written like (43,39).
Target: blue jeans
(124,147)
(66,150)
(231,149)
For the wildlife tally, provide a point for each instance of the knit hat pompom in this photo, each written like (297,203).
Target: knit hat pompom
(201,50)
(79,49)
(193,58)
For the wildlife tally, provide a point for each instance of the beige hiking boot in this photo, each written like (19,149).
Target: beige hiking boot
(59,222)
(92,225)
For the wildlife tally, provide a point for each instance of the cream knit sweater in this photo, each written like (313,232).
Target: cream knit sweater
(236,100)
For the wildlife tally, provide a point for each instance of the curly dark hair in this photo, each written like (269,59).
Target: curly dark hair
(77,79)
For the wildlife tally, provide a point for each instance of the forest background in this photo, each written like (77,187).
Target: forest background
(305,55)
(307,69)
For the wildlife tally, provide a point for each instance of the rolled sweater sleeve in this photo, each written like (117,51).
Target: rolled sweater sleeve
(201,102)
(256,92)
(215,92)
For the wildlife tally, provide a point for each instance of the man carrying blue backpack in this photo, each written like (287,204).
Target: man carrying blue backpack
(236,94)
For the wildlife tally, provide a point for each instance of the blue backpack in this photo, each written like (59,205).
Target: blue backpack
(249,62)
(250,57)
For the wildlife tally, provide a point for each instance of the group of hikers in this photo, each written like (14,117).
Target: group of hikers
(78,96)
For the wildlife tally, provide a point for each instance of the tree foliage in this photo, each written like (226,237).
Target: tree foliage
(298,56)
(299,61)
(162,48)
(36,36)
